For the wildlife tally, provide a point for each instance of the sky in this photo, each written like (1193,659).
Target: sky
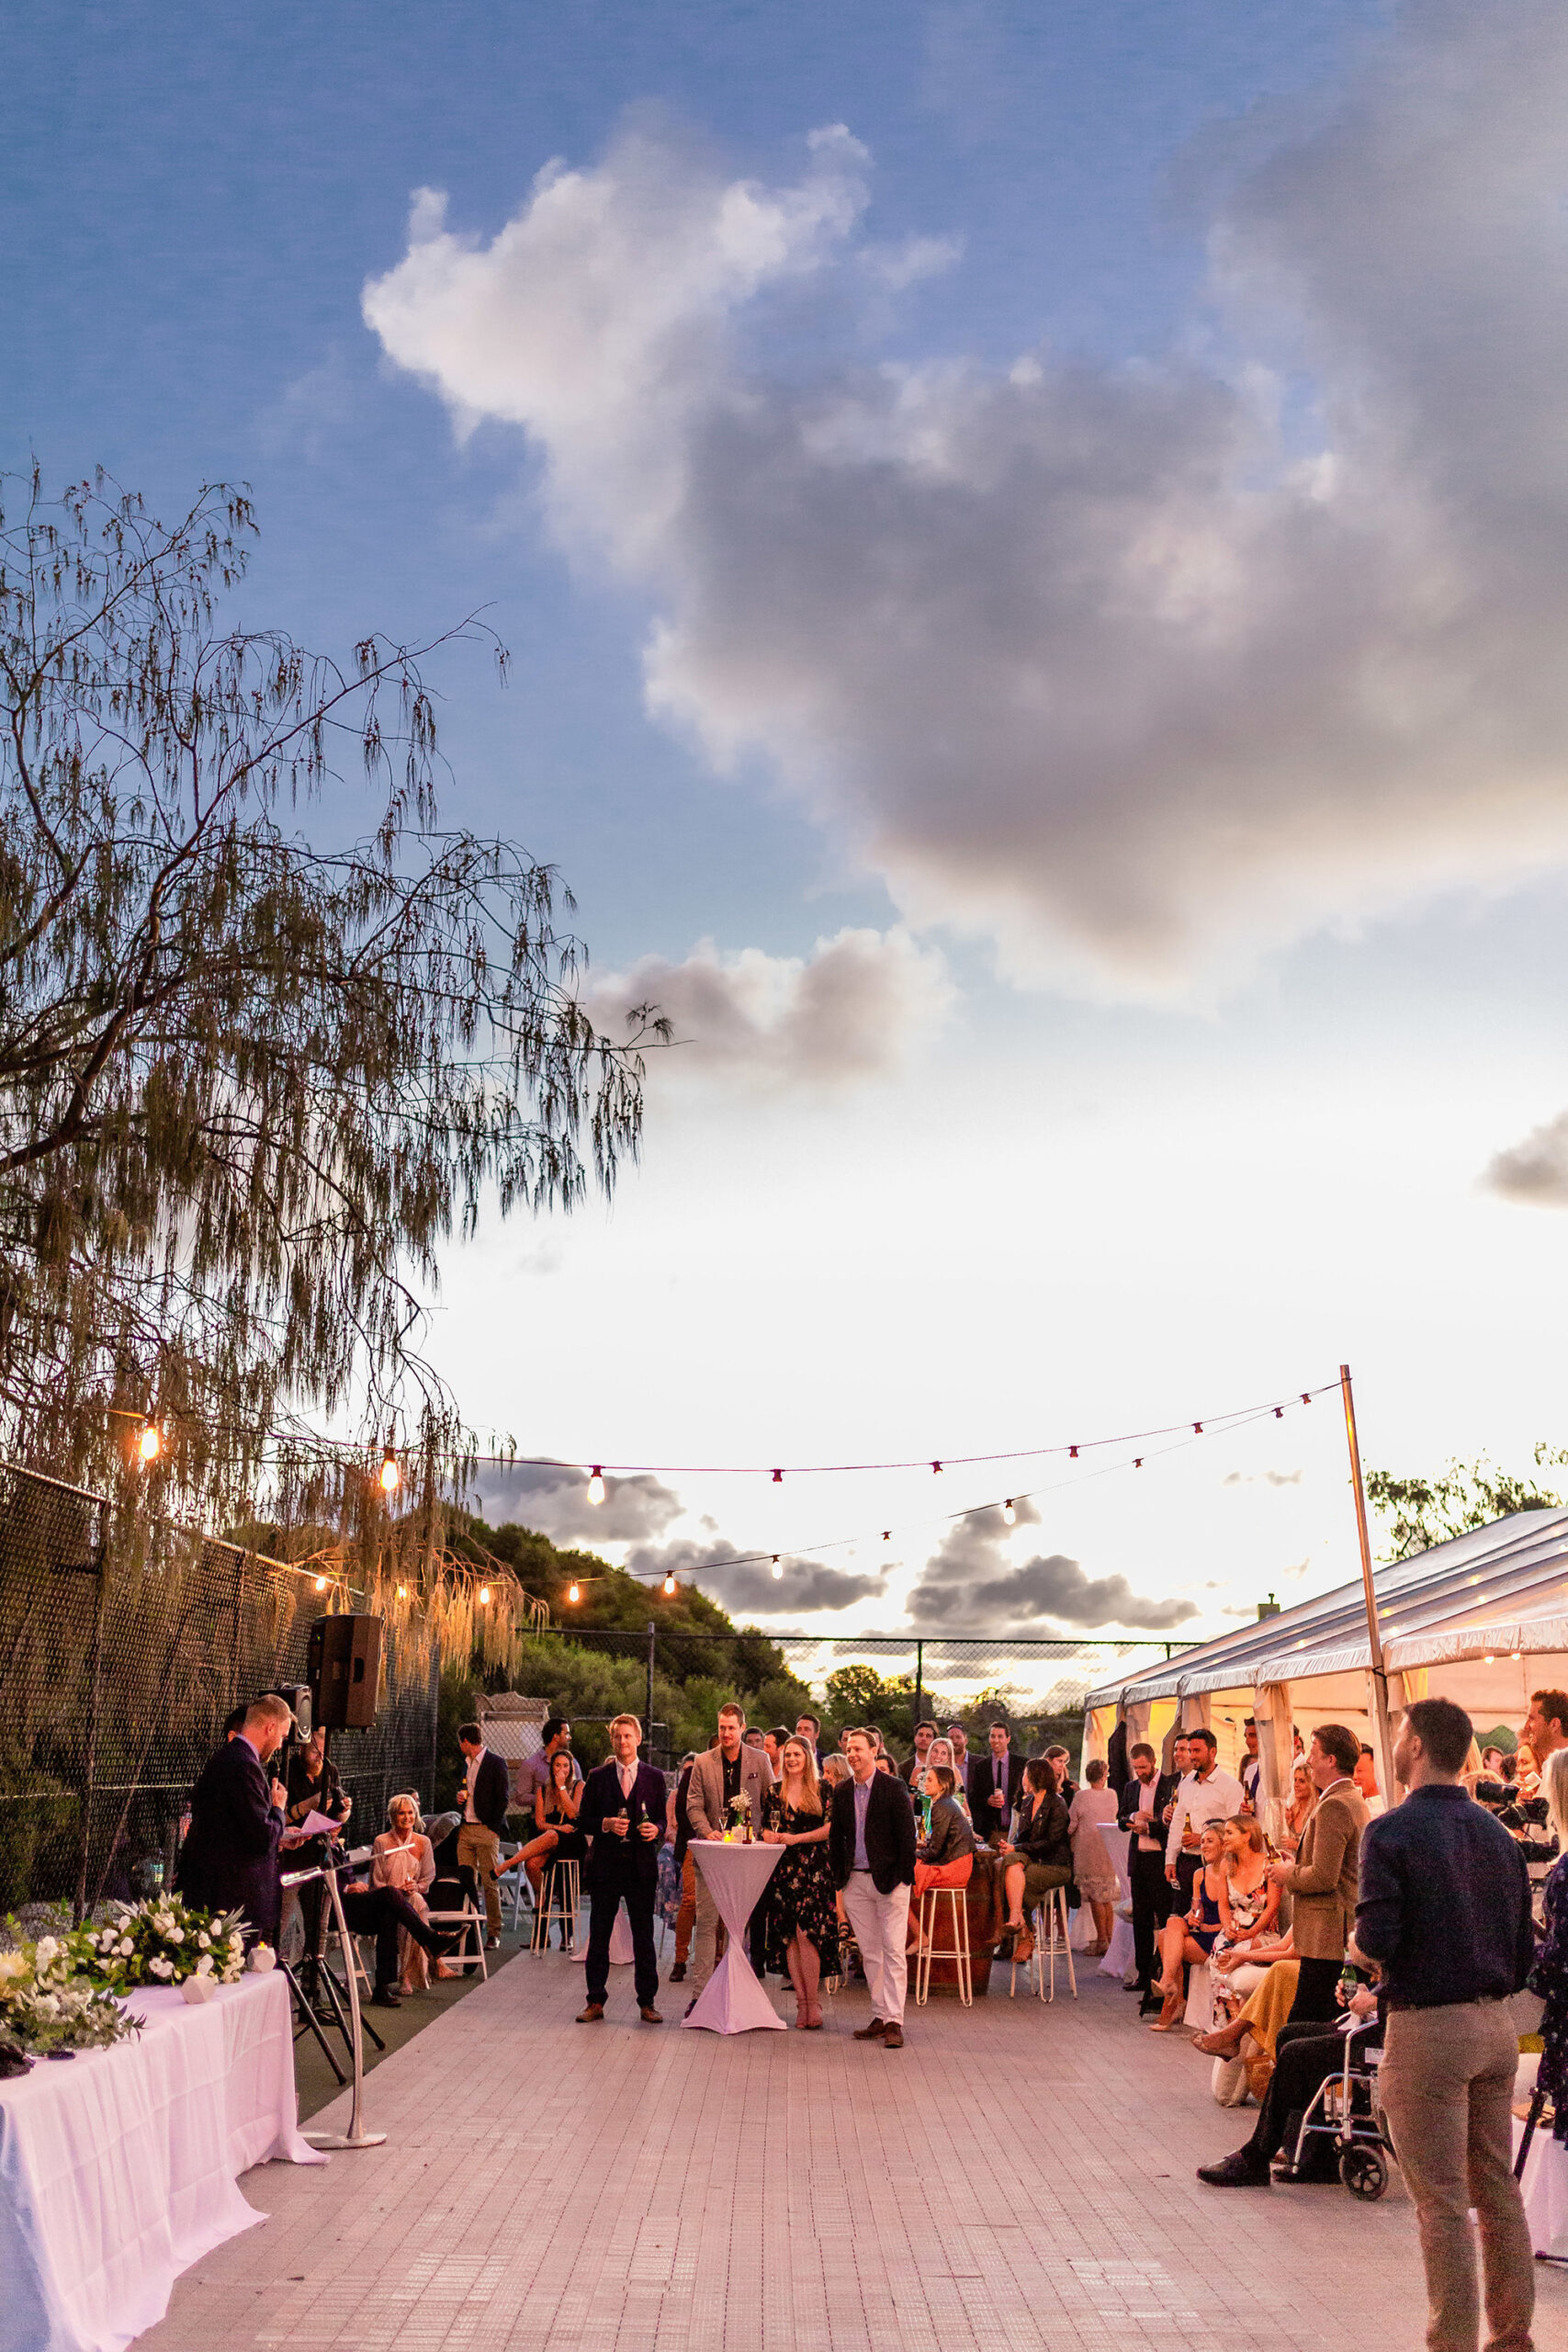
(1035,547)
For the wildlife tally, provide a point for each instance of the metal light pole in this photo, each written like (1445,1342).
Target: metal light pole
(1382,1738)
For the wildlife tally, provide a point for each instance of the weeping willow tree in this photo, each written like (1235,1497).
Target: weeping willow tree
(249,1085)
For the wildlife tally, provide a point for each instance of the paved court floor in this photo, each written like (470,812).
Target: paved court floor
(1019,2176)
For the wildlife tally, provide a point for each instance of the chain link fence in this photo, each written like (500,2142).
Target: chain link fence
(122,1648)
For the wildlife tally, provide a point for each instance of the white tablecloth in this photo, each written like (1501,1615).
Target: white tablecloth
(118,2167)
(732,2001)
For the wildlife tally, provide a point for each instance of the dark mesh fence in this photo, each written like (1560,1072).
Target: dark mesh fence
(121,1654)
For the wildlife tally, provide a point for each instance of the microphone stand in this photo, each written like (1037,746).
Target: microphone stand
(356,2136)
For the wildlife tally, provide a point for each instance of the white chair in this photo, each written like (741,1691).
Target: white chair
(1051,1921)
(1200,2012)
(516,1887)
(926,1950)
(469,1923)
(560,1904)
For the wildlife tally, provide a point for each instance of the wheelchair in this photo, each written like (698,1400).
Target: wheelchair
(1345,2110)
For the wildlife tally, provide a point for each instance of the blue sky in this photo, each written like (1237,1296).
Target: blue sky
(1180,380)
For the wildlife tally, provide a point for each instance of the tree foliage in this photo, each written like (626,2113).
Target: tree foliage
(248,1085)
(1420,1512)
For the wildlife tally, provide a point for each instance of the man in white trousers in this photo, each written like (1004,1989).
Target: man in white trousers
(871,1846)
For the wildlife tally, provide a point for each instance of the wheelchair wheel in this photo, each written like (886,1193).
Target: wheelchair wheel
(1364,2171)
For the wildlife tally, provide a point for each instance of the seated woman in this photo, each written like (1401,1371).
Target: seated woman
(1185,1942)
(1303,1796)
(403,1857)
(1527,1772)
(944,1856)
(557,1836)
(1040,1856)
(1257,2021)
(1093,1869)
(940,1752)
(1249,1908)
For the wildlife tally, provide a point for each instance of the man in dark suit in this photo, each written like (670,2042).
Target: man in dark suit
(871,1844)
(1144,1800)
(229,1861)
(485,1795)
(995,1780)
(622,1815)
(913,1773)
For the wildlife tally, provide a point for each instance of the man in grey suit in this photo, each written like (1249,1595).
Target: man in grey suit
(729,1770)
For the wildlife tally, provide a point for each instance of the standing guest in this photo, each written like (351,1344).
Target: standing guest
(228,1861)
(835,1772)
(403,1859)
(313,1784)
(884,1764)
(556,1834)
(757,1738)
(1299,1812)
(734,1769)
(621,1813)
(1061,1764)
(995,1781)
(486,1794)
(1142,1812)
(1546,1726)
(534,1774)
(1094,1873)
(801,1930)
(1445,1910)
(1550,1977)
(1366,1778)
(810,1728)
(872,1848)
(775,1741)
(914,1772)
(1525,1771)
(1040,1856)
(1322,1880)
(1251,1765)
(678,1829)
(1181,1767)
(958,1742)
(1206,1794)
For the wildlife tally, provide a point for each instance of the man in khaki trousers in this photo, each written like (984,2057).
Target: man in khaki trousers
(727,1772)
(1445,1910)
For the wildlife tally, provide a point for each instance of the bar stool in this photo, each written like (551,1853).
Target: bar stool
(557,1905)
(958,1950)
(1051,1921)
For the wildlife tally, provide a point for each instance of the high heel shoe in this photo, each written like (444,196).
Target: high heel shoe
(1170,2011)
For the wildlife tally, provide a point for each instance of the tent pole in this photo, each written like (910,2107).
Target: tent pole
(1382,1738)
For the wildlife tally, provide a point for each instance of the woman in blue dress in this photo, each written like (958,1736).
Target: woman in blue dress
(1186,1942)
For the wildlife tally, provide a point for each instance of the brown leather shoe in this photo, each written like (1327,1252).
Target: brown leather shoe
(650,2017)
(592,2015)
(872,2032)
(894,2038)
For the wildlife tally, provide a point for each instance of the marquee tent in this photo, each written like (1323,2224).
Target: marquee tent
(1482,1619)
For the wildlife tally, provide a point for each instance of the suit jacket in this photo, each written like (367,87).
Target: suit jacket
(982,1781)
(632,1857)
(229,1861)
(889,1833)
(705,1797)
(1325,1876)
(493,1792)
(1160,1793)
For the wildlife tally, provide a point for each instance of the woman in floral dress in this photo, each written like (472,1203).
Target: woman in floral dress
(801,1938)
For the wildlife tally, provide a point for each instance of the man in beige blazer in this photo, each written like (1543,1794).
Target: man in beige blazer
(727,1772)
(1323,1880)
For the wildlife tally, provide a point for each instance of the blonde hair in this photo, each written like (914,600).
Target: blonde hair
(835,1770)
(1251,1829)
(810,1792)
(1555,1780)
(625,1719)
(406,1796)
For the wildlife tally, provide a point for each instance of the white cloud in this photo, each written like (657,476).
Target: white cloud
(850,1009)
(552,1497)
(1130,669)
(1536,1171)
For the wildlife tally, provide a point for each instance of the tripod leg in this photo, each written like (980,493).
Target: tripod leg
(308,2017)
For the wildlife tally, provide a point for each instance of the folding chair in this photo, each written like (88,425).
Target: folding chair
(469,1923)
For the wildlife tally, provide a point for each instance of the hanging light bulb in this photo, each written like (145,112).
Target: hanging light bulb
(670,1583)
(150,1443)
(321,1584)
(403,1593)
(1009,1514)
(936,1469)
(887,1535)
(390,1475)
(778,1477)
(596,1484)
(484,1595)
(778,1568)
(573,1592)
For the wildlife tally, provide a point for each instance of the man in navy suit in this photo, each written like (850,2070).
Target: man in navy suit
(229,1861)
(622,1815)
(995,1780)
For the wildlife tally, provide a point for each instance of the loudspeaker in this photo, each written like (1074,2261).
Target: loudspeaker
(343,1662)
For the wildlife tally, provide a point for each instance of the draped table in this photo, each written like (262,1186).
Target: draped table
(732,2001)
(118,2168)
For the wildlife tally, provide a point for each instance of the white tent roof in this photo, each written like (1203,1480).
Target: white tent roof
(1496,1591)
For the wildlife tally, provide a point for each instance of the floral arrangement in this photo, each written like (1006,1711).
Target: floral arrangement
(161,1942)
(740,1818)
(46,2003)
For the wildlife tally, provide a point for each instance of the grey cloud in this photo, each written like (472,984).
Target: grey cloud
(1534,1171)
(850,1009)
(553,1498)
(969,1580)
(751,1586)
(1138,669)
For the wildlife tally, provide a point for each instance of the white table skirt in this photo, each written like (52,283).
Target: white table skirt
(118,2167)
(732,2001)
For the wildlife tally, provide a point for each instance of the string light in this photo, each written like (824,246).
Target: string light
(778,1477)
(321,1584)
(778,1568)
(150,1443)
(936,1469)
(403,1593)
(391,1475)
(670,1582)
(596,1486)
(574,1592)
(484,1595)
(1010,1516)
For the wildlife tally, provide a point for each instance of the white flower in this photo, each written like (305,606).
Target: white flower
(204,1965)
(125,1948)
(204,1940)
(46,1950)
(176,1935)
(161,1967)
